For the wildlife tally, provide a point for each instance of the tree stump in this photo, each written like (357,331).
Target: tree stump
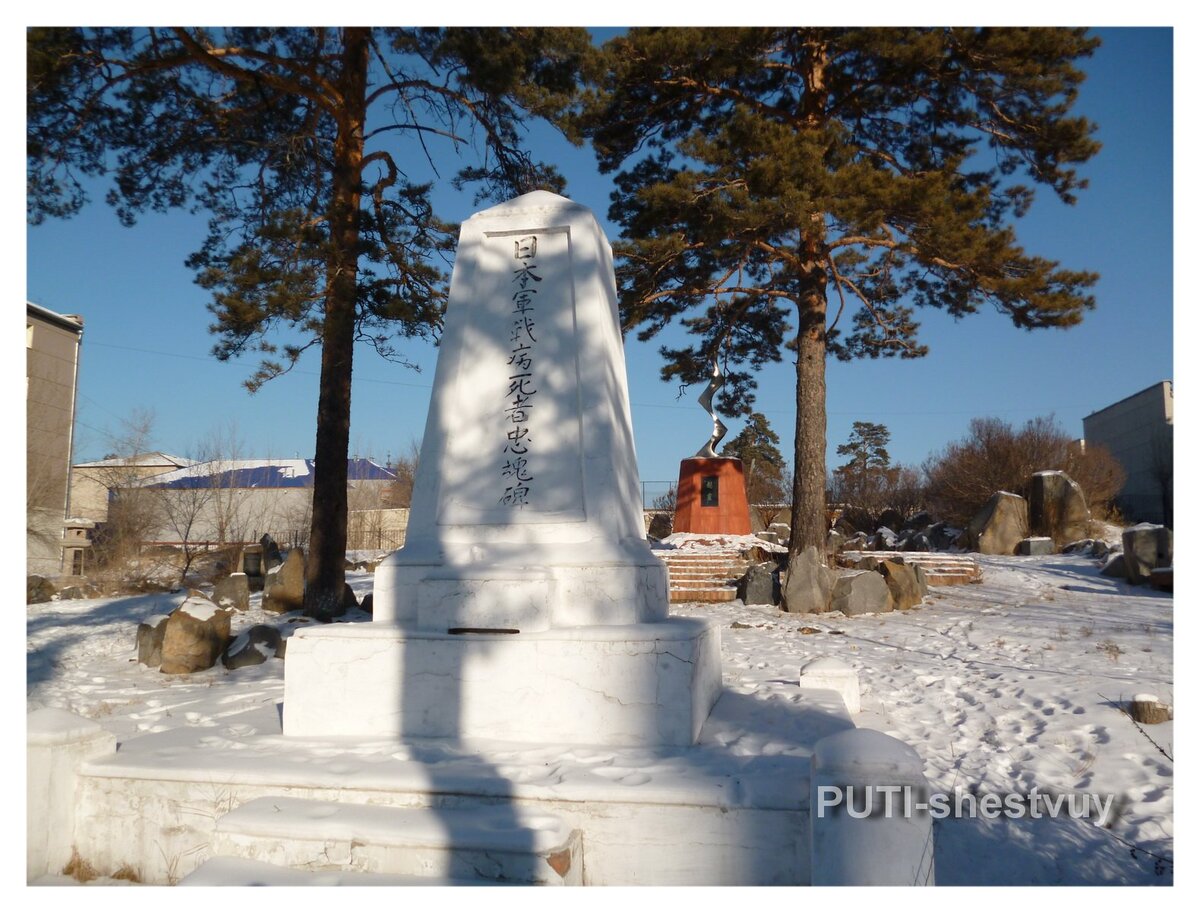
(1148,710)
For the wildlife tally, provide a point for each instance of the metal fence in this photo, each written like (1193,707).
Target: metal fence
(658,495)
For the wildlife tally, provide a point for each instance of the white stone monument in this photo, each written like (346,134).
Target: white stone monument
(526,603)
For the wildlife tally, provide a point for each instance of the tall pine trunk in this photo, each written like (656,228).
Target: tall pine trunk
(325,574)
(808,479)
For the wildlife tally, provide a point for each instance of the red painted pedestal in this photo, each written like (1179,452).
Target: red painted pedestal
(711,497)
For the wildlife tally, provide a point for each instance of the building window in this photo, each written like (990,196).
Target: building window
(708,491)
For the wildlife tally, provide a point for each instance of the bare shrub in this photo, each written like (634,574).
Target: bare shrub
(996,456)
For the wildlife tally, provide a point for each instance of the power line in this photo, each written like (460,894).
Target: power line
(855,413)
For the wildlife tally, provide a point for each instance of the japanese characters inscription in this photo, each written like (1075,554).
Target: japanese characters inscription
(522,389)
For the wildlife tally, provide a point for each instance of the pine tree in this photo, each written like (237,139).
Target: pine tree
(757,446)
(867,449)
(804,190)
(286,137)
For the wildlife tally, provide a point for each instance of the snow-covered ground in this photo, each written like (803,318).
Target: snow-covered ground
(1009,685)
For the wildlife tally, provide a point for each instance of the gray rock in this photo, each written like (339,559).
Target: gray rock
(834,542)
(922,580)
(942,535)
(39,589)
(1114,566)
(252,647)
(284,587)
(1147,546)
(1057,507)
(768,536)
(368,603)
(272,557)
(233,592)
(809,584)
(760,585)
(999,525)
(349,600)
(918,543)
(918,521)
(196,635)
(890,518)
(150,640)
(885,538)
(660,524)
(902,582)
(1036,545)
(252,567)
(857,542)
(1090,548)
(861,593)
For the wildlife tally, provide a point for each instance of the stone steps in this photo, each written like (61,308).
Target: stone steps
(941,569)
(705,576)
(702,594)
(482,843)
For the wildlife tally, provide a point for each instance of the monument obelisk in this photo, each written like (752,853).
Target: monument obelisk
(526,602)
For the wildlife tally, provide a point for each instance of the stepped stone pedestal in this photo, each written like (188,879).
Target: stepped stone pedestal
(526,603)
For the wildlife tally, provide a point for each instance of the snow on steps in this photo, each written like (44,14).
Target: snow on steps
(941,569)
(481,843)
(704,576)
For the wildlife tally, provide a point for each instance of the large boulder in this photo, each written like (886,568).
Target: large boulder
(38,589)
(809,584)
(901,580)
(232,592)
(1147,546)
(196,635)
(760,585)
(999,525)
(252,647)
(861,593)
(284,587)
(150,640)
(890,518)
(1057,507)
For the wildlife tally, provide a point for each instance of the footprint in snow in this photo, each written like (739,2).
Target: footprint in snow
(623,775)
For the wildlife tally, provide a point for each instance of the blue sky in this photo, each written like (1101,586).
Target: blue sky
(146,344)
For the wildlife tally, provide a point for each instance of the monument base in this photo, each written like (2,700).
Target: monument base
(711,497)
(616,685)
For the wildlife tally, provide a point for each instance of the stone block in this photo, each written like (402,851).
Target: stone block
(901,580)
(1057,507)
(861,593)
(1146,546)
(284,587)
(808,586)
(195,637)
(760,585)
(999,525)
(150,640)
(1036,545)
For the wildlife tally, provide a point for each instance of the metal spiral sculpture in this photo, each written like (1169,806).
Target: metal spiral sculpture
(705,399)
